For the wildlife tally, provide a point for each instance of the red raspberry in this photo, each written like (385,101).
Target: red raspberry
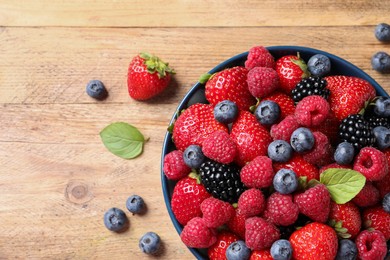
(196,234)
(377,218)
(264,254)
(371,245)
(312,111)
(330,127)
(251,202)
(258,173)
(281,210)
(218,250)
(259,56)
(333,165)
(284,129)
(259,233)
(220,147)
(216,212)
(321,154)
(368,196)
(314,203)
(372,163)
(174,166)
(285,102)
(262,81)
(237,224)
(383,185)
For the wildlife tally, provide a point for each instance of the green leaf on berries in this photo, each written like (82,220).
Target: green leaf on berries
(342,184)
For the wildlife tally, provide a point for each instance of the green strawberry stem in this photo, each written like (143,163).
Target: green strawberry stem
(155,64)
(302,65)
(195,175)
(204,78)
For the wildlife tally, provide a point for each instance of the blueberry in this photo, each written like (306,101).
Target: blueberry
(96,89)
(279,151)
(226,112)
(135,204)
(267,112)
(281,250)
(302,140)
(382,107)
(380,62)
(285,181)
(344,153)
(115,219)
(382,32)
(150,243)
(193,156)
(238,251)
(386,203)
(382,136)
(347,250)
(319,65)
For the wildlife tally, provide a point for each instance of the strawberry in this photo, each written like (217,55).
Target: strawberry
(251,137)
(348,95)
(147,76)
(300,167)
(264,254)
(194,125)
(230,84)
(196,234)
(377,218)
(368,196)
(346,220)
(291,69)
(285,102)
(187,196)
(218,250)
(314,241)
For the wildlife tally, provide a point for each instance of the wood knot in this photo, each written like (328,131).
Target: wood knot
(78,192)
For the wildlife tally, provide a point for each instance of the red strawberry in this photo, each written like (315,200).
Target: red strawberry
(218,250)
(147,76)
(346,219)
(216,212)
(259,233)
(220,147)
(230,84)
(194,125)
(285,102)
(371,245)
(264,254)
(314,241)
(251,137)
(237,224)
(348,95)
(301,167)
(196,234)
(291,69)
(377,218)
(368,196)
(187,196)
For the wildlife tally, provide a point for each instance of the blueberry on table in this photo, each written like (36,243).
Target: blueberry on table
(380,62)
(267,112)
(193,156)
(135,204)
(281,250)
(344,153)
(115,219)
(319,65)
(280,151)
(382,32)
(226,112)
(150,243)
(285,181)
(347,250)
(238,251)
(96,89)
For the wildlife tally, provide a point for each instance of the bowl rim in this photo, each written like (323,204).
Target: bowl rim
(219,67)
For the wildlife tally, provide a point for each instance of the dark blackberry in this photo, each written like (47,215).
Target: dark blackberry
(373,119)
(310,86)
(355,130)
(221,180)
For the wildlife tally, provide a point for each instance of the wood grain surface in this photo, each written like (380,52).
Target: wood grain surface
(56,177)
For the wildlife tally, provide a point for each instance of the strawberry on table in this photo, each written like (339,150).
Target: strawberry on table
(291,69)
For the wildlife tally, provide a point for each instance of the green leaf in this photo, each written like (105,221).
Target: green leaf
(123,140)
(342,184)
(204,78)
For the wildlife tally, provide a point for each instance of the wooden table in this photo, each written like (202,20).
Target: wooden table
(56,177)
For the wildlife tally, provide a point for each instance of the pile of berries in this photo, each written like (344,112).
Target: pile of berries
(283,161)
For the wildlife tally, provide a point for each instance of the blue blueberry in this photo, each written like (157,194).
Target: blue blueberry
(380,62)
(238,251)
(115,219)
(382,136)
(344,153)
(285,181)
(386,203)
(382,32)
(302,140)
(382,107)
(280,151)
(226,112)
(150,243)
(193,156)
(319,65)
(347,250)
(96,89)
(135,204)
(267,112)
(281,250)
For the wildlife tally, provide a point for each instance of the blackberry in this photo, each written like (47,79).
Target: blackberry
(355,130)
(310,86)
(374,120)
(221,180)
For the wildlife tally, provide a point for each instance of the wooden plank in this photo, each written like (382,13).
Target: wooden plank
(202,13)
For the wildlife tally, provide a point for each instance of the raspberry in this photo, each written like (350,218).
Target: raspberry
(258,173)
(196,234)
(312,111)
(259,56)
(218,250)
(262,81)
(219,147)
(371,245)
(321,154)
(368,196)
(251,202)
(383,185)
(281,210)
(372,163)
(237,224)
(174,165)
(259,233)
(314,203)
(284,129)
(216,212)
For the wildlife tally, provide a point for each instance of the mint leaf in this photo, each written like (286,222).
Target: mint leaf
(123,140)
(342,184)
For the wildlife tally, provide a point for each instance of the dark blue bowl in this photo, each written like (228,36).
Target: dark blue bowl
(196,94)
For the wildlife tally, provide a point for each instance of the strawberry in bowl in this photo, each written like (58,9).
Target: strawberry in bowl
(280,160)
